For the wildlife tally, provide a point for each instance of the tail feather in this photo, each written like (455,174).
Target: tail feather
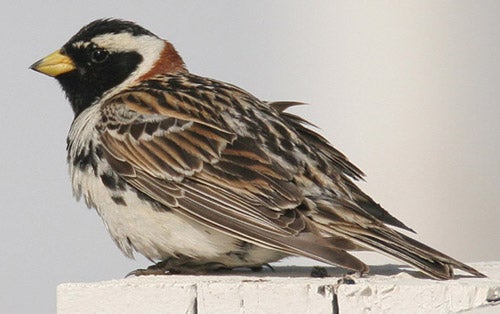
(443,257)
(395,244)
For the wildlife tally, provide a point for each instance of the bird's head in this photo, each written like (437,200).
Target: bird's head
(105,56)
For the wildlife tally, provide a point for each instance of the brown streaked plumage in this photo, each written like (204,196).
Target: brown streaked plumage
(199,174)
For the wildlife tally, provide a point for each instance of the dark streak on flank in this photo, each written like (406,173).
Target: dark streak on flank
(119,200)
(112,182)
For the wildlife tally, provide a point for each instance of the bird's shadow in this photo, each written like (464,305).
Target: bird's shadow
(306,271)
(309,271)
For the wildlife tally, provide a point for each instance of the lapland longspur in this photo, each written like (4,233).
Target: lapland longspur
(197,174)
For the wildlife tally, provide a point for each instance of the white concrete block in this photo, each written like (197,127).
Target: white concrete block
(390,289)
(127,296)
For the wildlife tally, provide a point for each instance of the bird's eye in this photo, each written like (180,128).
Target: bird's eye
(99,55)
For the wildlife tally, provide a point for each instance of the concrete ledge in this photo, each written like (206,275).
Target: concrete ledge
(389,289)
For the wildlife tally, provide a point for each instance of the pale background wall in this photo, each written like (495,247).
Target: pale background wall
(408,91)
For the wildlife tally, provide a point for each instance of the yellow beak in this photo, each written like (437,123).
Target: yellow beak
(54,64)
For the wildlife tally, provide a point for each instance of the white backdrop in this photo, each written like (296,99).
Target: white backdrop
(408,91)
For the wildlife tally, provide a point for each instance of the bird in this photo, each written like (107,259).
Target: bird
(199,175)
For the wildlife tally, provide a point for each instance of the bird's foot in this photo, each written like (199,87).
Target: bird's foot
(152,270)
(261,268)
(178,266)
(319,272)
(349,278)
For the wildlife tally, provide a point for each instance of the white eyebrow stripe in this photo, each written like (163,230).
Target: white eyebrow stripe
(128,42)
(149,47)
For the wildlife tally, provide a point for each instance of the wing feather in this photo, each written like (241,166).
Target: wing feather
(223,166)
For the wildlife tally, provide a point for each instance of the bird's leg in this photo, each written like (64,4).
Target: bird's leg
(178,265)
(319,272)
(261,268)
(155,269)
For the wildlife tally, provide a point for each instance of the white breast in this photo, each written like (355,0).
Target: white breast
(155,233)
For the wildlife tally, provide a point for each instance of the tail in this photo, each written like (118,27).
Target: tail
(395,244)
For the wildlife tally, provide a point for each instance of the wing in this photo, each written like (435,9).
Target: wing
(214,153)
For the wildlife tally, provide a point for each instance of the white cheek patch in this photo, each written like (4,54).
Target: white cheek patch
(149,47)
